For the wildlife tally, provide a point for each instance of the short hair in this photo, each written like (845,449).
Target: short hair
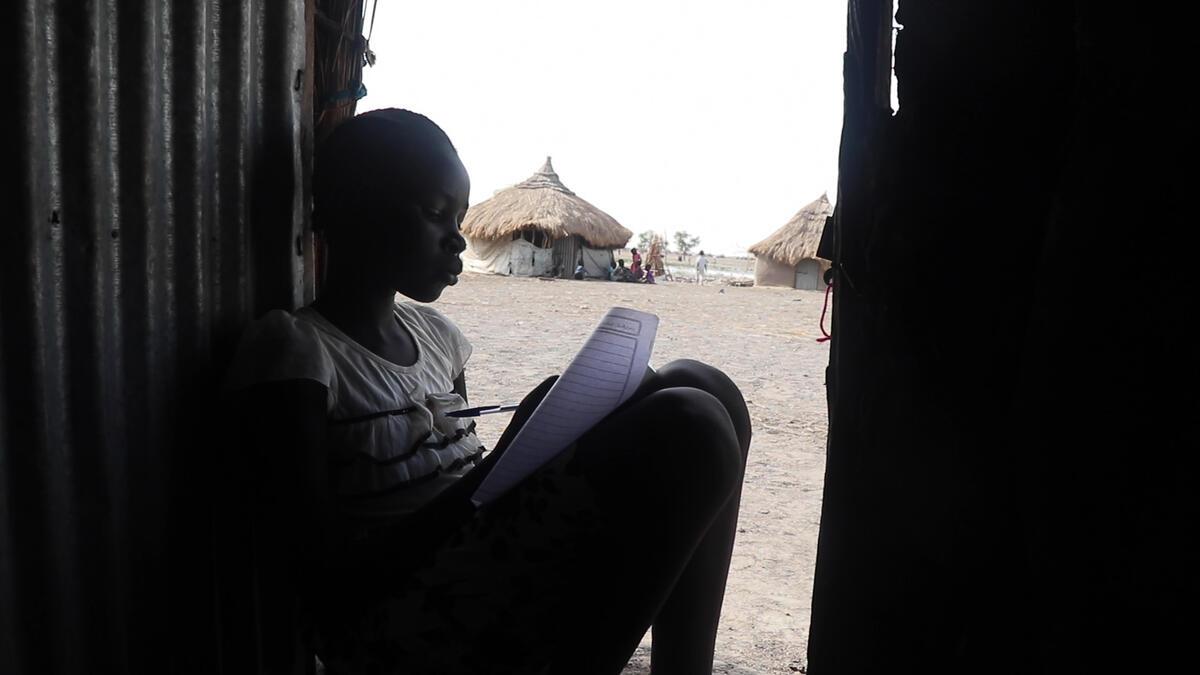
(361,159)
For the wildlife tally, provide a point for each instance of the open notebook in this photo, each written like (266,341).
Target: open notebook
(605,372)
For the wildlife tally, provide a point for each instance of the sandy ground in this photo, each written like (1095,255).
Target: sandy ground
(765,340)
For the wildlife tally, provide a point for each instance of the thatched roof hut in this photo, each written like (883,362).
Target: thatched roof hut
(789,256)
(539,227)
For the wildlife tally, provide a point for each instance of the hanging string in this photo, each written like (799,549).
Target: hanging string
(828,292)
(368,56)
(371,27)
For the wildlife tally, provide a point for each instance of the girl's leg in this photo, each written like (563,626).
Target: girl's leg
(685,629)
(685,626)
(656,499)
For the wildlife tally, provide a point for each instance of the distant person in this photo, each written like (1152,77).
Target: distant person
(701,268)
(579,270)
(649,275)
(621,273)
(636,272)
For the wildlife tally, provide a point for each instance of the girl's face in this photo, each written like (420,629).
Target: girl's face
(422,242)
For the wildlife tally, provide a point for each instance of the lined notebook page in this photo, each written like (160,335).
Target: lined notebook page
(605,372)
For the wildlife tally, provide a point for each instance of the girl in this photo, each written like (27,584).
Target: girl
(365,483)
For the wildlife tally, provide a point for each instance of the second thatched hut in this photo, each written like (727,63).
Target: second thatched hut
(789,256)
(540,228)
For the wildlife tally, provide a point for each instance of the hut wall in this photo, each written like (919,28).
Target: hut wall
(809,275)
(157,205)
(567,251)
(487,256)
(771,272)
(596,262)
(529,260)
(516,257)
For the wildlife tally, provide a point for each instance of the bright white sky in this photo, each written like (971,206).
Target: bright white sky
(718,118)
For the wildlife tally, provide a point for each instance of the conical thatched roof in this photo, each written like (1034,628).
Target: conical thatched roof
(799,238)
(543,203)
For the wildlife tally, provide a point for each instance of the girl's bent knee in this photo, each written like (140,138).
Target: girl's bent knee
(699,375)
(700,439)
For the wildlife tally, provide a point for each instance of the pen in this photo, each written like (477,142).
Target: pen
(483,410)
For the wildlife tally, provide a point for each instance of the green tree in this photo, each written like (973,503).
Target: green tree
(685,242)
(644,239)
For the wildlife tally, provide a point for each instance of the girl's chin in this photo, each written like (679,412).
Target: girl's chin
(430,291)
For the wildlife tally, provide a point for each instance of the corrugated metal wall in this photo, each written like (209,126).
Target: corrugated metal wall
(162,155)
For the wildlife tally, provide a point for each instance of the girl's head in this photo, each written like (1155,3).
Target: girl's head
(389,194)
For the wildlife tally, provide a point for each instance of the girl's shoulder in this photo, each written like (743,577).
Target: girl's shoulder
(439,329)
(424,311)
(428,317)
(280,345)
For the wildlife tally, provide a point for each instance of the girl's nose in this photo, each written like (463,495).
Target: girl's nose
(455,243)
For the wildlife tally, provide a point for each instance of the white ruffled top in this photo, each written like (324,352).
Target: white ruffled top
(390,446)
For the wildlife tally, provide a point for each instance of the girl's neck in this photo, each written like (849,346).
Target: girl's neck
(369,320)
(356,308)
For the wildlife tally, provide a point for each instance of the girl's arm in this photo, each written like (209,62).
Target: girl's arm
(280,429)
(303,543)
(285,426)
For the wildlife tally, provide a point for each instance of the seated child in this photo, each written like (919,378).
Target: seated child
(621,273)
(365,484)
